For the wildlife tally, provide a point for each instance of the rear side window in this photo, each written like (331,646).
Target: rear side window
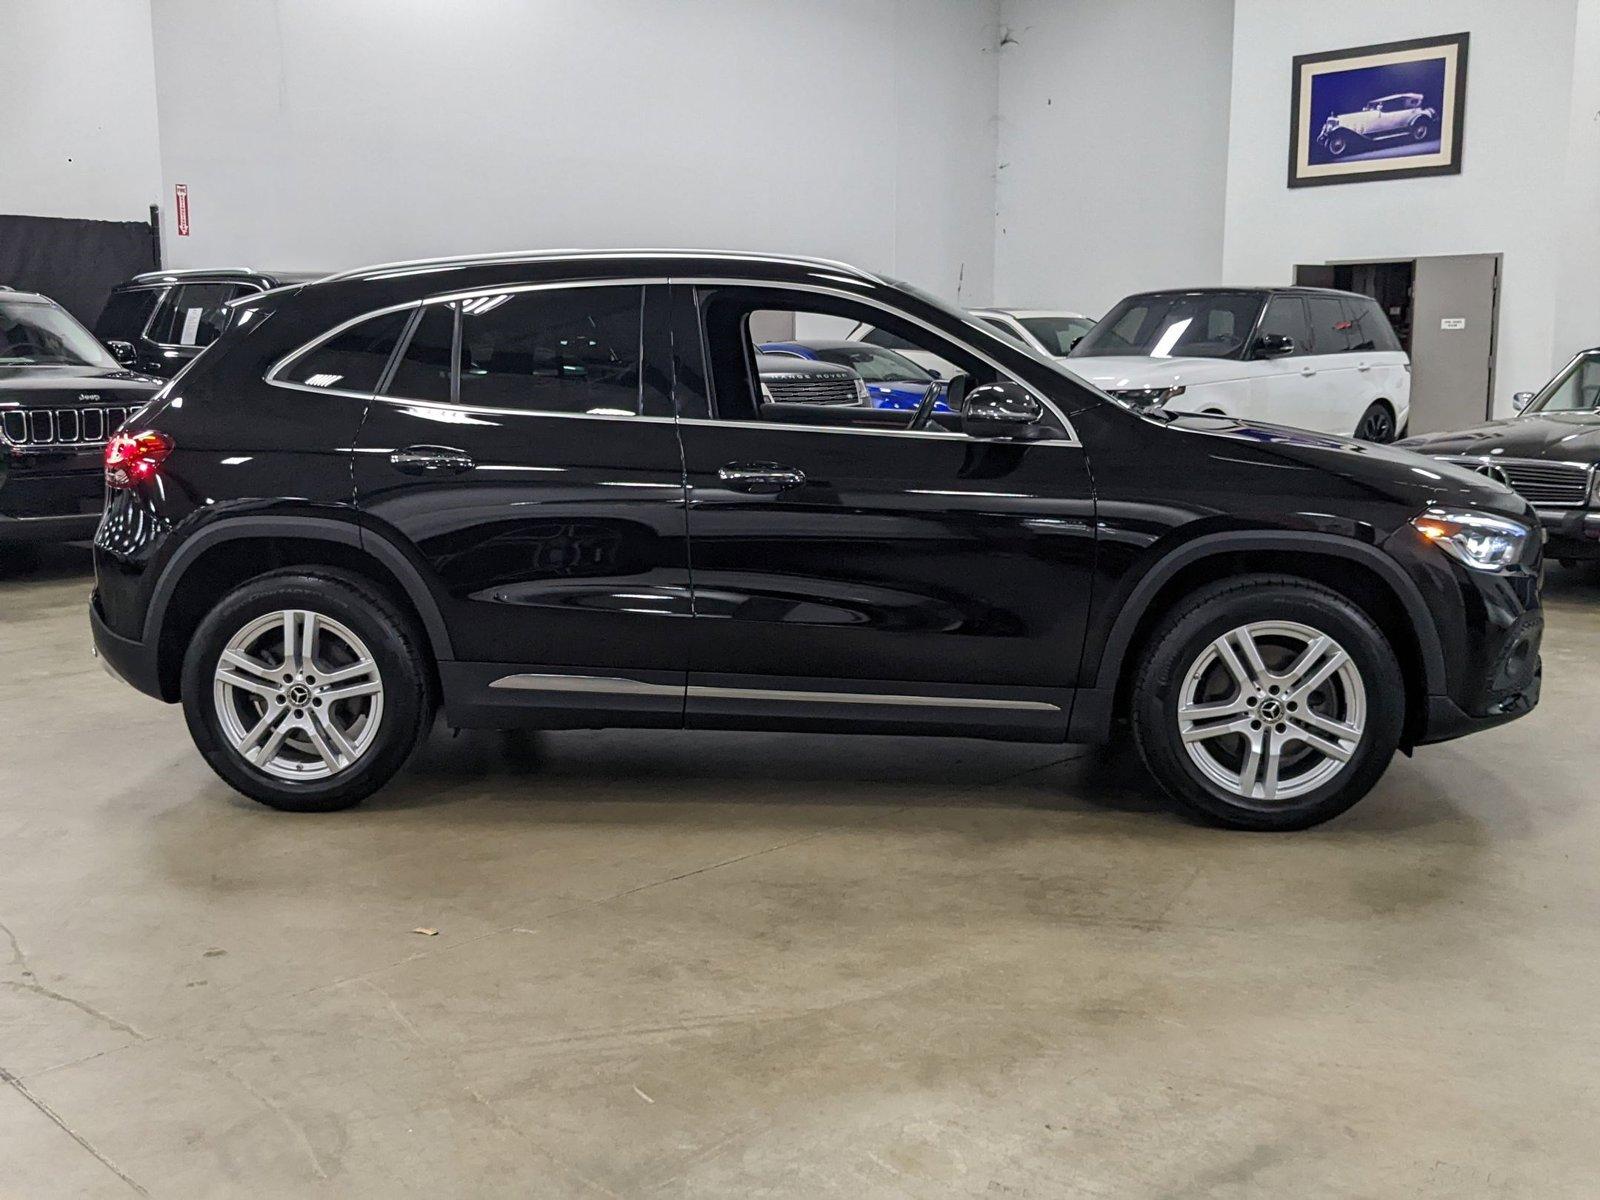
(1369,328)
(1332,331)
(352,361)
(193,313)
(125,314)
(1287,315)
(423,372)
(561,351)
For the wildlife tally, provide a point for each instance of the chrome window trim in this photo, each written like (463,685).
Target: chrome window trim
(1070,440)
(613,685)
(272,374)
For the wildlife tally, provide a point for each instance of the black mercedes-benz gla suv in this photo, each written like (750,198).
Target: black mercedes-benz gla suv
(546,490)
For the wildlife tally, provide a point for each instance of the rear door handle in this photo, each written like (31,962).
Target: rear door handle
(431,460)
(1364,367)
(760,478)
(1308,371)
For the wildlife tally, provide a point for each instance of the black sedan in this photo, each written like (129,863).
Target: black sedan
(1549,453)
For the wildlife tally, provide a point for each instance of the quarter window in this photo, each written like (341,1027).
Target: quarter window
(125,314)
(193,313)
(563,351)
(352,361)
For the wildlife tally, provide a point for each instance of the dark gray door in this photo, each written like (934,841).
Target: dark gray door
(1452,341)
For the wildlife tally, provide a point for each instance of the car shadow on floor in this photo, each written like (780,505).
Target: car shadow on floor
(45,562)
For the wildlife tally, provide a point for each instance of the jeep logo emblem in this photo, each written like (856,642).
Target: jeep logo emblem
(88,397)
(1493,471)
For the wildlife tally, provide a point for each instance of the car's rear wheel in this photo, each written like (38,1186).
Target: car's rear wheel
(306,689)
(1376,424)
(1267,702)
(1421,131)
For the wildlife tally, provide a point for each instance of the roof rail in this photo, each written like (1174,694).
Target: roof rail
(516,256)
(181,272)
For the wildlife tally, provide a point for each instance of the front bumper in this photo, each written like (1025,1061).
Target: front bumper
(1571,533)
(129,659)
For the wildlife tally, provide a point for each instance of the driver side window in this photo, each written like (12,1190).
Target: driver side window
(846,365)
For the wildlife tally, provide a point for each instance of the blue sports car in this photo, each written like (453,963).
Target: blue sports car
(892,379)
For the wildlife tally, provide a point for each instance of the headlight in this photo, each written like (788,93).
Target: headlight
(861,391)
(1147,397)
(1594,485)
(1484,542)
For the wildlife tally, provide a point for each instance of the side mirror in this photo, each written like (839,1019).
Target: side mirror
(1274,345)
(123,352)
(1521,400)
(999,410)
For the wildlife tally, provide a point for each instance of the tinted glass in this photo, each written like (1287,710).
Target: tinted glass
(424,372)
(1332,331)
(1578,392)
(125,314)
(874,364)
(1369,328)
(354,360)
(38,333)
(564,351)
(193,314)
(1287,315)
(1057,334)
(889,341)
(1197,324)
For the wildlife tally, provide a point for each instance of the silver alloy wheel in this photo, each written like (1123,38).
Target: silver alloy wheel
(1272,710)
(298,695)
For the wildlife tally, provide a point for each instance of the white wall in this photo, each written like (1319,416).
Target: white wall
(77,85)
(316,135)
(1508,198)
(1113,145)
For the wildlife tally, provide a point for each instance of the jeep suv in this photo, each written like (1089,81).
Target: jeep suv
(545,490)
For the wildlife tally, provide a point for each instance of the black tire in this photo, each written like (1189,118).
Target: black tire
(402,665)
(1376,424)
(1177,645)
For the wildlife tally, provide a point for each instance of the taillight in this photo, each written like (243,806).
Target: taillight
(131,458)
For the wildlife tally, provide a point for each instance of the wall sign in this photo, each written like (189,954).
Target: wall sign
(1378,112)
(1452,322)
(181,205)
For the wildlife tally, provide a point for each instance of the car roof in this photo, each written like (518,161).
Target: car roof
(740,258)
(1296,289)
(1397,96)
(11,293)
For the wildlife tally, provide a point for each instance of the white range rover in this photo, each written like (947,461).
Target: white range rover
(1312,358)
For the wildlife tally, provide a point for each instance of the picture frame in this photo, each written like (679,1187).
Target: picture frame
(1396,110)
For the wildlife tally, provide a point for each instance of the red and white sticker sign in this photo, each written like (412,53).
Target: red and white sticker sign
(181,192)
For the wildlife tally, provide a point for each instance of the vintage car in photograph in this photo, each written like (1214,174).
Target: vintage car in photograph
(1388,118)
(1549,453)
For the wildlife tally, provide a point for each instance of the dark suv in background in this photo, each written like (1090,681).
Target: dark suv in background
(156,322)
(61,397)
(547,490)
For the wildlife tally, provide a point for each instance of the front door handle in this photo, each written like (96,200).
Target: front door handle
(761,478)
(1308,371)
(431,460)
(1364,367)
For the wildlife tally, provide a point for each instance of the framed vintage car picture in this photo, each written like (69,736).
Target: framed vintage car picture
(1378,112)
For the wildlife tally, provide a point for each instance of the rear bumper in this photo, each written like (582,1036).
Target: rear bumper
(130,660)
(75,527)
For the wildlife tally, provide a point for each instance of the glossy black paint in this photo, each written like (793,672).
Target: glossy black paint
(928,582)
(1567,437)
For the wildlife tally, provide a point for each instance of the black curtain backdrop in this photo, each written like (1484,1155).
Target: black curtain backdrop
(75,263)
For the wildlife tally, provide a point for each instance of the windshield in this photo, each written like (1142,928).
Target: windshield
(1577,390)
(873,363)
(37,334)
(1057,334)
(1166,325)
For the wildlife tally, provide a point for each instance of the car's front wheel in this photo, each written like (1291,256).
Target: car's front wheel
(1338,143)
(306,689)
(1376,424)
(1267,702)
